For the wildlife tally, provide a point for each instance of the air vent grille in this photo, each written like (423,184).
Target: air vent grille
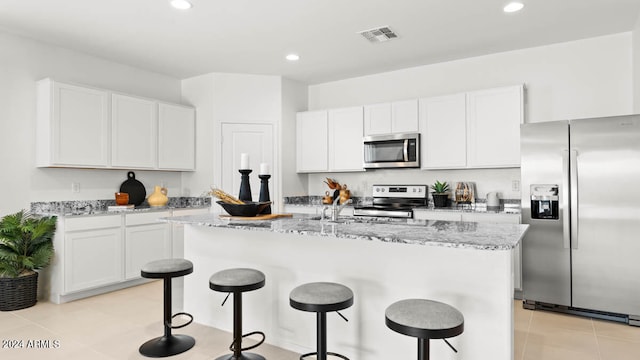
(380,34)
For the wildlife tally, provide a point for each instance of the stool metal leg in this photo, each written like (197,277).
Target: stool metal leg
(321,335)
(236,346)
(168,344)
(423,349)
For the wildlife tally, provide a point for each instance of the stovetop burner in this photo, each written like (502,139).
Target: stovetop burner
(394,201)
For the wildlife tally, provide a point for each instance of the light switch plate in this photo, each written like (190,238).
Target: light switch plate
(515,185)
(75,187)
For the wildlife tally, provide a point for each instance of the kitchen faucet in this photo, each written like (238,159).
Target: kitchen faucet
(335,209)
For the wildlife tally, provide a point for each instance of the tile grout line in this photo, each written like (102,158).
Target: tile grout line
(595,335)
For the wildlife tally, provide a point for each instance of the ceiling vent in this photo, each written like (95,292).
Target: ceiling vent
(380,34)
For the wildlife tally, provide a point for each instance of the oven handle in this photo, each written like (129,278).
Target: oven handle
(406,150)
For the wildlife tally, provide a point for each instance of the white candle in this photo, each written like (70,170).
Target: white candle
(264,169)
(244,161)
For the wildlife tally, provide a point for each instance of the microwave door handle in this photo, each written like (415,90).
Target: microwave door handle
(566,222)
(406,150)
(574,199)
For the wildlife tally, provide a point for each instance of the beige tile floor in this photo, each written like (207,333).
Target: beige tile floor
(112,326)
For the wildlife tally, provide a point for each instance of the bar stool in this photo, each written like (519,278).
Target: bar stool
(425,319)
(168,344)
(237,281)
(321,297)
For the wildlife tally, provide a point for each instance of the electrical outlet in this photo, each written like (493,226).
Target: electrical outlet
(515,185)
(75,187)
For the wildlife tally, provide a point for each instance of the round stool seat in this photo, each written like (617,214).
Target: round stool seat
(425,319)
(166,268)
(321,297)
(237,280)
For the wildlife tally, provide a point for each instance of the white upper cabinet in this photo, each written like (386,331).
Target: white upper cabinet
(377,119)
(345,139)
(479,129)
(176,137)
(443,132)
(393,117)
(72,126)
(329,140)
(134,128)
(79,126)
(493,123)
(311,141)
(404,116)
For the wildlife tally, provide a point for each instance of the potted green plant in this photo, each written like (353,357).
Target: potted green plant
(26,244)
(440,194)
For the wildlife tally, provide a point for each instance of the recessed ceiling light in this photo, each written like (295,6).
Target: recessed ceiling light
(181,4)
(513,7)
(292,57)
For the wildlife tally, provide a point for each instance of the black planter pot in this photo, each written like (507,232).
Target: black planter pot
(440,200)
(18,293)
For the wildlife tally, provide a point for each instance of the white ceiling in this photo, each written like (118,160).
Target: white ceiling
(253,36)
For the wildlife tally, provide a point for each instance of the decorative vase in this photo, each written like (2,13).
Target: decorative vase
(18,293)
(159,197)
(440,200)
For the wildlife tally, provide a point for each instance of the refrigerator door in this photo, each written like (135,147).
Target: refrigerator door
(606,270)
(545,248)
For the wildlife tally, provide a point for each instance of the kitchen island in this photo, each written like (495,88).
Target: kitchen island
(467,265)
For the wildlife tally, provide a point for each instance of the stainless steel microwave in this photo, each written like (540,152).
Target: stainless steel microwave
(392,151)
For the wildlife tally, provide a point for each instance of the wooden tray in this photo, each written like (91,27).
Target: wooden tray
(258,217)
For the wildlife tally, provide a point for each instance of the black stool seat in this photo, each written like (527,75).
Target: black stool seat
(168,344)
(166,268)
(321,297)
(424,319)
(237,281)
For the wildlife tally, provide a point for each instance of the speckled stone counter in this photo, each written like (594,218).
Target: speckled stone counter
(418,232)
(100,207)
(466,265)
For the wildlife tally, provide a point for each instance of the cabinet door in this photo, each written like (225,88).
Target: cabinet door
(176,137)
(345,139)
(377,119)
(312,141)
(92,258)
(493,127)
(443,138)
(404,116)
(72,125)
(134,129)
(145,243)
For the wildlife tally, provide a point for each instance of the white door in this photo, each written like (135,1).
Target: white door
(255,140)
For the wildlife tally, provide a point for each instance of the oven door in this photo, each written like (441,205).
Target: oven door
(391,151)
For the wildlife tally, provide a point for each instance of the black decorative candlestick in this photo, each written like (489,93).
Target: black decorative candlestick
(245,187)
(264,193)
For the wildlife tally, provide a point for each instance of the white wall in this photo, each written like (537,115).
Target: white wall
(586,78)
(24,61)
(294,99)
(636,67)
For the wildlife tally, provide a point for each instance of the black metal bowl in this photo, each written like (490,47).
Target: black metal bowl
(248,209)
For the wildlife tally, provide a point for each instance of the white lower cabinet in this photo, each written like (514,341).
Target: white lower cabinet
(92,252)
(95,254)
(93,258)
(145,241)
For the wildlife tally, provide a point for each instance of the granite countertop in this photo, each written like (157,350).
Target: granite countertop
(100,207)
(471,235)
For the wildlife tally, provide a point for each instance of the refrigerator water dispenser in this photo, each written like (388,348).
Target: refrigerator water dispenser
(544,202)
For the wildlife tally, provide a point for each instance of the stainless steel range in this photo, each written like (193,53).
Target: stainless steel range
(394,201)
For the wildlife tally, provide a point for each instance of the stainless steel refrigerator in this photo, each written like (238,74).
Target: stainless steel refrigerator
(581,197)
